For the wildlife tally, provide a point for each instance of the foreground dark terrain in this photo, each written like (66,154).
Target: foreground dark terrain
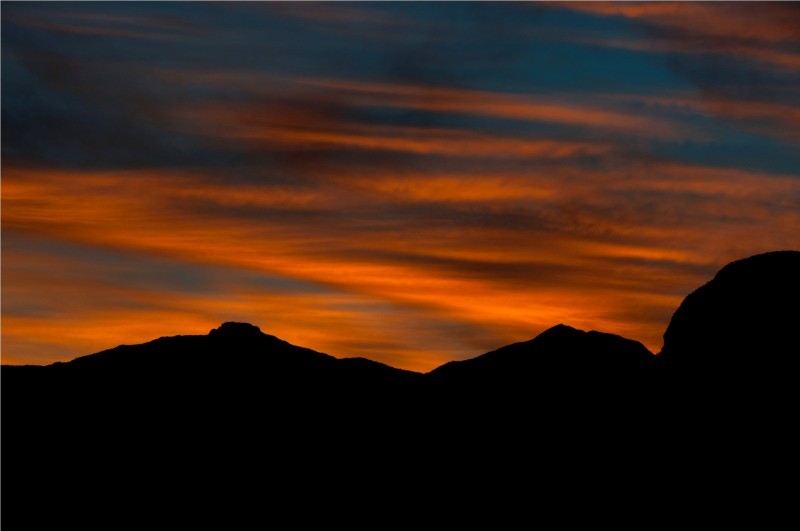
(176,411)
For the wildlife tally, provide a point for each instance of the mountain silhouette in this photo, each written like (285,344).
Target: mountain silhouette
(745,319)
(560,349)
(194,414)
(239,355)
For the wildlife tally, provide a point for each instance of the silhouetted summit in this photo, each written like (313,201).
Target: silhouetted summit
(240,330)
(747,318)
(560,349)
(163,412)
(238,356)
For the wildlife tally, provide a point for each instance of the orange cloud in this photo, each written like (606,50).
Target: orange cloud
(623,272)
(408,244)
(773,57)
(301,318)
(299,99)
(452,188)
(762,32)
(245,125)
(773,118)
(706,18)
(497,105)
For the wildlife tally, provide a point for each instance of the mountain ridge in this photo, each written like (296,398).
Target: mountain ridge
(737,301)
(249,331)
(290,417)
(742,319)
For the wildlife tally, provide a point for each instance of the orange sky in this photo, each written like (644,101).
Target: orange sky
(399,213)
(507,282)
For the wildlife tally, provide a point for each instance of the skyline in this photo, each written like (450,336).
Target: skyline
(410,183)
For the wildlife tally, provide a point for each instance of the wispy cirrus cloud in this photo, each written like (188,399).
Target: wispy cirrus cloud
(291,97)
(413,195)
(128,297)
(707,18)
(91,24)
(323,133)
(761,32)
(508,106)
(773,118)
(466,267)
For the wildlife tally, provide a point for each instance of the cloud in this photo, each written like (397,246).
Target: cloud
(323,134)
(507,106)
(290,98)
(703,18)
(773,118)
(762,32)
(64,300)
(95,24)
(584,252)
(413,198)
(334,14)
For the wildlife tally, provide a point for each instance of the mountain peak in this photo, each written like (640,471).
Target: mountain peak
(560,349)
(233,329)
(561,330)
(760,265)
(744,319)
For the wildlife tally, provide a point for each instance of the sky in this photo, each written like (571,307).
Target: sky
(409,182)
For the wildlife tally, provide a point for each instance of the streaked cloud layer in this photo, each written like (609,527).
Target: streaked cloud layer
(409,182)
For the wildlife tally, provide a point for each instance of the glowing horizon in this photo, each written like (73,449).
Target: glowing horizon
(354,179)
